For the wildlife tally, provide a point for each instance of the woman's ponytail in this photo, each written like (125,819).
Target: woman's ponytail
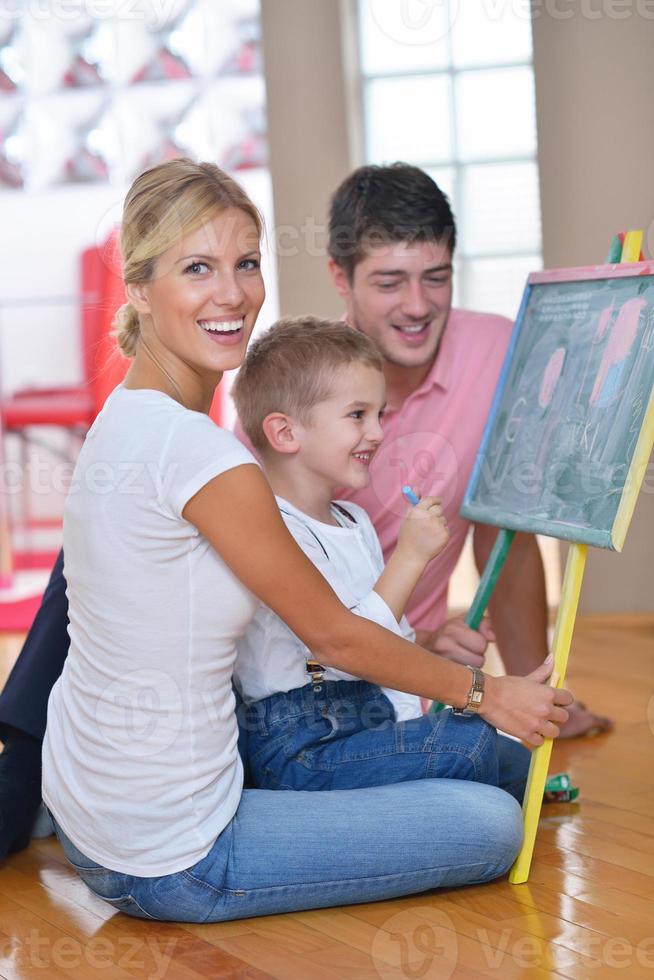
(127,329)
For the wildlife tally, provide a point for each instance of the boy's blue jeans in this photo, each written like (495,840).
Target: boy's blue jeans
(343,735)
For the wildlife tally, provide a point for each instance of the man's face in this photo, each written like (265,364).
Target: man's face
(400,295)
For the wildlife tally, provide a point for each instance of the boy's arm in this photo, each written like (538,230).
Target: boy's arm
(398,580)
(423,535)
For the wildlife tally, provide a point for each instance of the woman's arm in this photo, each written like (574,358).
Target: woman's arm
(238,515)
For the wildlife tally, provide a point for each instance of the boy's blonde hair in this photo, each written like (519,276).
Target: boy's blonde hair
(290,368)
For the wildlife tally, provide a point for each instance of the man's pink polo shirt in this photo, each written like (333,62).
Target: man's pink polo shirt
(431,443)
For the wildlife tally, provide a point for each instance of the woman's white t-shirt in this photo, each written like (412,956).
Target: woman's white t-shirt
(140,760)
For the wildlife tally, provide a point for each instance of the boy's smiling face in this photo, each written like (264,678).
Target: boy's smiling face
(342,433)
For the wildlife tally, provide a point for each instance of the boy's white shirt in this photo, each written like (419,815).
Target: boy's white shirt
(270,657)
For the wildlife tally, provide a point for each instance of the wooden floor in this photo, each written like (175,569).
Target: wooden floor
(587,911)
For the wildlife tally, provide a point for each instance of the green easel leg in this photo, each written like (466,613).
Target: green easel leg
(486,585)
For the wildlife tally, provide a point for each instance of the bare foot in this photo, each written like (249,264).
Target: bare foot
(582,723)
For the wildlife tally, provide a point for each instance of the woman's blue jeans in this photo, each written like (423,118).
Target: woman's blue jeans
(285,851)
(343,735)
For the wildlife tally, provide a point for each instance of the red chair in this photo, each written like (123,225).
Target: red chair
(75,408)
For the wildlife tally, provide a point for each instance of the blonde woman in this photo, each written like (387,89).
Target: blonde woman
(171,535)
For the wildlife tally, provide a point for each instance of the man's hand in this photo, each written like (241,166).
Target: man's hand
(526,706)
(456,641)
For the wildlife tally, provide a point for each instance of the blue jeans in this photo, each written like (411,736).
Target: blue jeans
(343,735)
(288,851)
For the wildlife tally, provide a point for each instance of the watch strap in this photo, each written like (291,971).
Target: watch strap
(475,694)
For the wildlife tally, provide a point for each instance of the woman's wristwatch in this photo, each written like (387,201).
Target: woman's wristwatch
(475,694)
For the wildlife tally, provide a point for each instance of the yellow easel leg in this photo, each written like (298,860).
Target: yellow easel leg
(631,246)
(540,760)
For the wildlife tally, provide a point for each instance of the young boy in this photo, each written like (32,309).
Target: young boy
(309,397)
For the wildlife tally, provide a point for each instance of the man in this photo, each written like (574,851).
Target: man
(391,242)
(392,236)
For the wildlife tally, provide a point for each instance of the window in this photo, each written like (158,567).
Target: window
(449,87)
(90,100)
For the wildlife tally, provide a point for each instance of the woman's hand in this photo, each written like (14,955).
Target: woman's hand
(526,706)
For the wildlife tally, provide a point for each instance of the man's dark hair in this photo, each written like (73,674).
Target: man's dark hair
(377,205)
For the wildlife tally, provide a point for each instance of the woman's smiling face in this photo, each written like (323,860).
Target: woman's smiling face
(202,302)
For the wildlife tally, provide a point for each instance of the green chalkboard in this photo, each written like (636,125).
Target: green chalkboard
(567,435)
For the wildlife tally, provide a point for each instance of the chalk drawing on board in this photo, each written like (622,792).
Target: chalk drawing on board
(572,400)
(622,335)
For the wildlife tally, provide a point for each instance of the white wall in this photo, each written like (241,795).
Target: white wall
(42,236)
(594,83)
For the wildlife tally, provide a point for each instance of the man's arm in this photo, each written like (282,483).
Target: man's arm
(518,611)
(518,607)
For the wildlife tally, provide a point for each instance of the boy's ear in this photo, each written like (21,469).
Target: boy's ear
(137,295)
(280,433)
(339,278)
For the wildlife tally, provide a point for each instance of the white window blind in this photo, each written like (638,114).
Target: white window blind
(448,86)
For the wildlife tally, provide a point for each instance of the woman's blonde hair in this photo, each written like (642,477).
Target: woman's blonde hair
(164,204)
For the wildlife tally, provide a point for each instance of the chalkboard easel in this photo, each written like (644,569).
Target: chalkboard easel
(568,439)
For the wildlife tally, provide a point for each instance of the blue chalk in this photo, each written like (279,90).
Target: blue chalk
(410,496)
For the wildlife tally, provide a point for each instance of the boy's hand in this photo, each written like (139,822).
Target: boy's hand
(423,535)
(526,706)
(423,532)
